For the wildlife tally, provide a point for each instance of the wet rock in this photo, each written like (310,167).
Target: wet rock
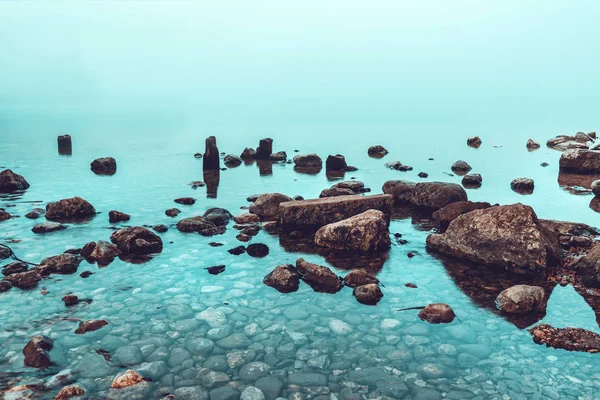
(90,326)
(253,371)
(367,231)
(522,185)
(532,145)
(104,166)
(369,294)
(596,188)
(257,250)
(247,218)
(580,161)
(104,253)
(172,212)
(35,213)
(265,148)
(450,212)
(64,141)
(216,270)
(522,299)
(377,151)
(117,216)
(5,253)
(126,379)
(353,185)
(187,201)
(47,227)
(87,250)
(435,195)
(280,156)
(267,205)
(506,236)
(423,175)
(252,393)
(137,240)
(335,163)
(14,268)
(359,277)
(248,154)
(283,278)
(11,182)
(310,214)
(474,141)
(398,166)
(69,392)
(64,264)
(571,339)
(210,161)
(5,286)
(472,181)
(589,267)
(24,280)
(160,228)
(199,225)
(70,300)
(4,215)
(319,278)
(401,191)
(236,251)
(232,161)
(218,216)
(37,352)
(74,208)
(437,313)
(310,163)
(198,393)
(461,167)
(336,191)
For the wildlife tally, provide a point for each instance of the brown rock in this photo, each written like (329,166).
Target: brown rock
(474,141)
(4,215)
(264,150)
(450,212)
(37,352)
(218,216)
(104,166)
(335,163)
(11,182)
(522,185)
(247,218)
(437,313)
(435,195)
(589,267)
(336,191)
(280,156)
(117,216)
(70,300)
(64,141)
(319,278)
(127,379)
(199,225)
(172,212)
(14,268)
(64,264)
(308,161)
(267,205)
(258,250)
(210,161)
(87,249)
(25,280)
(137,240)
(47,227)
(104,253)
(359,277)
(472,181)
(377,151)
(69,392)
(522,299)
(283,278)
(160,228)
(353,185)
(532,145)
(461,167)
(401,191)
(232,161)
(74,208)
(5,286)
(248,154)
(580,161)
(90,326)
(369,294)
(367,231)
(188,201)
(35,213)
(571,339)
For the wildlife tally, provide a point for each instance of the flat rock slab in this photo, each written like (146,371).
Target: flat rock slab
(310,214)
(571,339)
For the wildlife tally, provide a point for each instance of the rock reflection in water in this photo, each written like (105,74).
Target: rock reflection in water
(420,218)
(577,183)
(212,179)
(265,167)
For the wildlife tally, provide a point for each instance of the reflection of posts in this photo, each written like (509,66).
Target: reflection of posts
(212,178)
(210,161)
(264,167)
(64,145)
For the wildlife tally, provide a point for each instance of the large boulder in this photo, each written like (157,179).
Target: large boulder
(284,278)
(336,163)
(435,195)
(199,225)
(25,280)
(37,351)
(401,191)
(104,166)
(11,182)
(136,240)
(522,299)
(74,208)
(64,264)
(450,212)
(367,231)
(308,161)
(218,216)
(264,150)
(506,236)
(267,205)
(210,161)
(571,339)
(319,278)
(580,161)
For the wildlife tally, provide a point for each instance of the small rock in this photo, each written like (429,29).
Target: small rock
(377,151)
(472,181)
(319,278)
(70,300)
(522,185)
(47,227)
(474,141)
(126,379)
(11,182)
(187,201)
(37,352)
(104,166)
(461,167)
(90,326)
(369,294)
(359,277)
(117,216)
(74,208)
(172,212)
(437,313)
(232,161)
(283,278)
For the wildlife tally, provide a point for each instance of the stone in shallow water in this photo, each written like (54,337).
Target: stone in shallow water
(572,339)
(212,317)
(307,379)
(367,231)
(69,392)
(252,393)
(339,327)
(235,341)
(238,358)
(36,352)
(252,371)
(191,393)
(319,278)
(214,379)
(522,299)
(284,278)
(437,313)
(200,346)
(224,393)
(154,370)
(90,326)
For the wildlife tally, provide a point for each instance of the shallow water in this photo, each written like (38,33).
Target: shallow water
(311,92)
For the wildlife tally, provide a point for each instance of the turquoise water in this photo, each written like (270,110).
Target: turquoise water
(147,82)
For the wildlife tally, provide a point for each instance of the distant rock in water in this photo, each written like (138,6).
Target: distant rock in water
(232,161)
(437,313)
(70,300)
(435,195)
(522,185)
(117,216)
(64,264)
(74,208)
(210,161)
(461,167)
(336,163)
(522,299)
(14,267)
(11,182)
(186,201)
(474,141)
(4,215)
(571,339)
(283,278)
(104,166)
(104,253)
(377,151)
(265,149)
(580,161)
(308,163)
(280,156)
(216,270)
(367,231)
(137,241)
(248,154)
(267,205)
(64,141)
(172,212)
(532,145)
(70,391)
(37,352)
(25,280)
(199,225)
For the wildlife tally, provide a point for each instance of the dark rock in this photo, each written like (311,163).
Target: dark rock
(367,231)
(319,278)
(268,204)
(264,150)
(232,161)
(298,198)
(86,274)
(472,181)
(596,188)
(90,326)
(474,141)
(74,208)
(199,225)
(435,195)
(14,268)
(335,163)
(411,285)
(336,191)
(160,228)
(354,185)
(35,213)
(450,212)
(4,215)
(580,161)
(522,185)
(461,167)
(117,216)
(5,286)
(216,270)
(522,299)
(5,252)
(505,236)
(247,218)
(137,240)
(87,249)
(248,154)
(37,352)
(48,227)
(280,156)
(437,313)
(401,191)
(218,216)
(198,155)
(104,166)
(359,277)
(589,267)
(283,278)
(172,212)
(236,251)
(210,161)
(25,280)
(215,244)
(70,300)
(257,250)
(251,230)
(369,294)
(104,253)
(571,339)
(308,162)
(11,182)
(377,151)
(544,164)
(64,264)
(64,141)
(423,175)
(187,201)
(398,166)
(532,145)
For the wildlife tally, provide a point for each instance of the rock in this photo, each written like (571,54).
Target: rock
(472,181)
(160,228)
(335,163)
(596,188)
(474,141)
(252,393)
(25,280)
(87,249)
(450,212)
(353,185)
(377,151)
(532,145)
(401,191)
(571,339)
(117,216)
(126,379)
(236,251)
(248,154)
(588,267)
(461,167)
(218,216)
(186,201)
(310,214)
(14,268)
(214,379)
(232,161)
(506,236)
(423,175)
(104,166)
(64,264)
(522,299)
(398,166)
(216,270)
(283,278)
(198,155)
(64,141)
(257,250)
(367,231)
(319,278)
(265,148)
(37,352)
(104,253)
(4,215)
(580,161)
(267,205)
(137,240)
(5,286)
(5,252)
(210,161)
(69,392)
(74,208)
(253,371)
(90,326)
(199,225)
(435,195)
(172,212)
(336,191)
(308,161)
(369,294)
(35,213)
(522,185)
(70,300)
(270,386)
(437,313)
(47,227)
(280,156)
(359,277)
(11,182)
(247,218)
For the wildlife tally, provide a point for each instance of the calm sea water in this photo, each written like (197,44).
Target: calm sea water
(147,82)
